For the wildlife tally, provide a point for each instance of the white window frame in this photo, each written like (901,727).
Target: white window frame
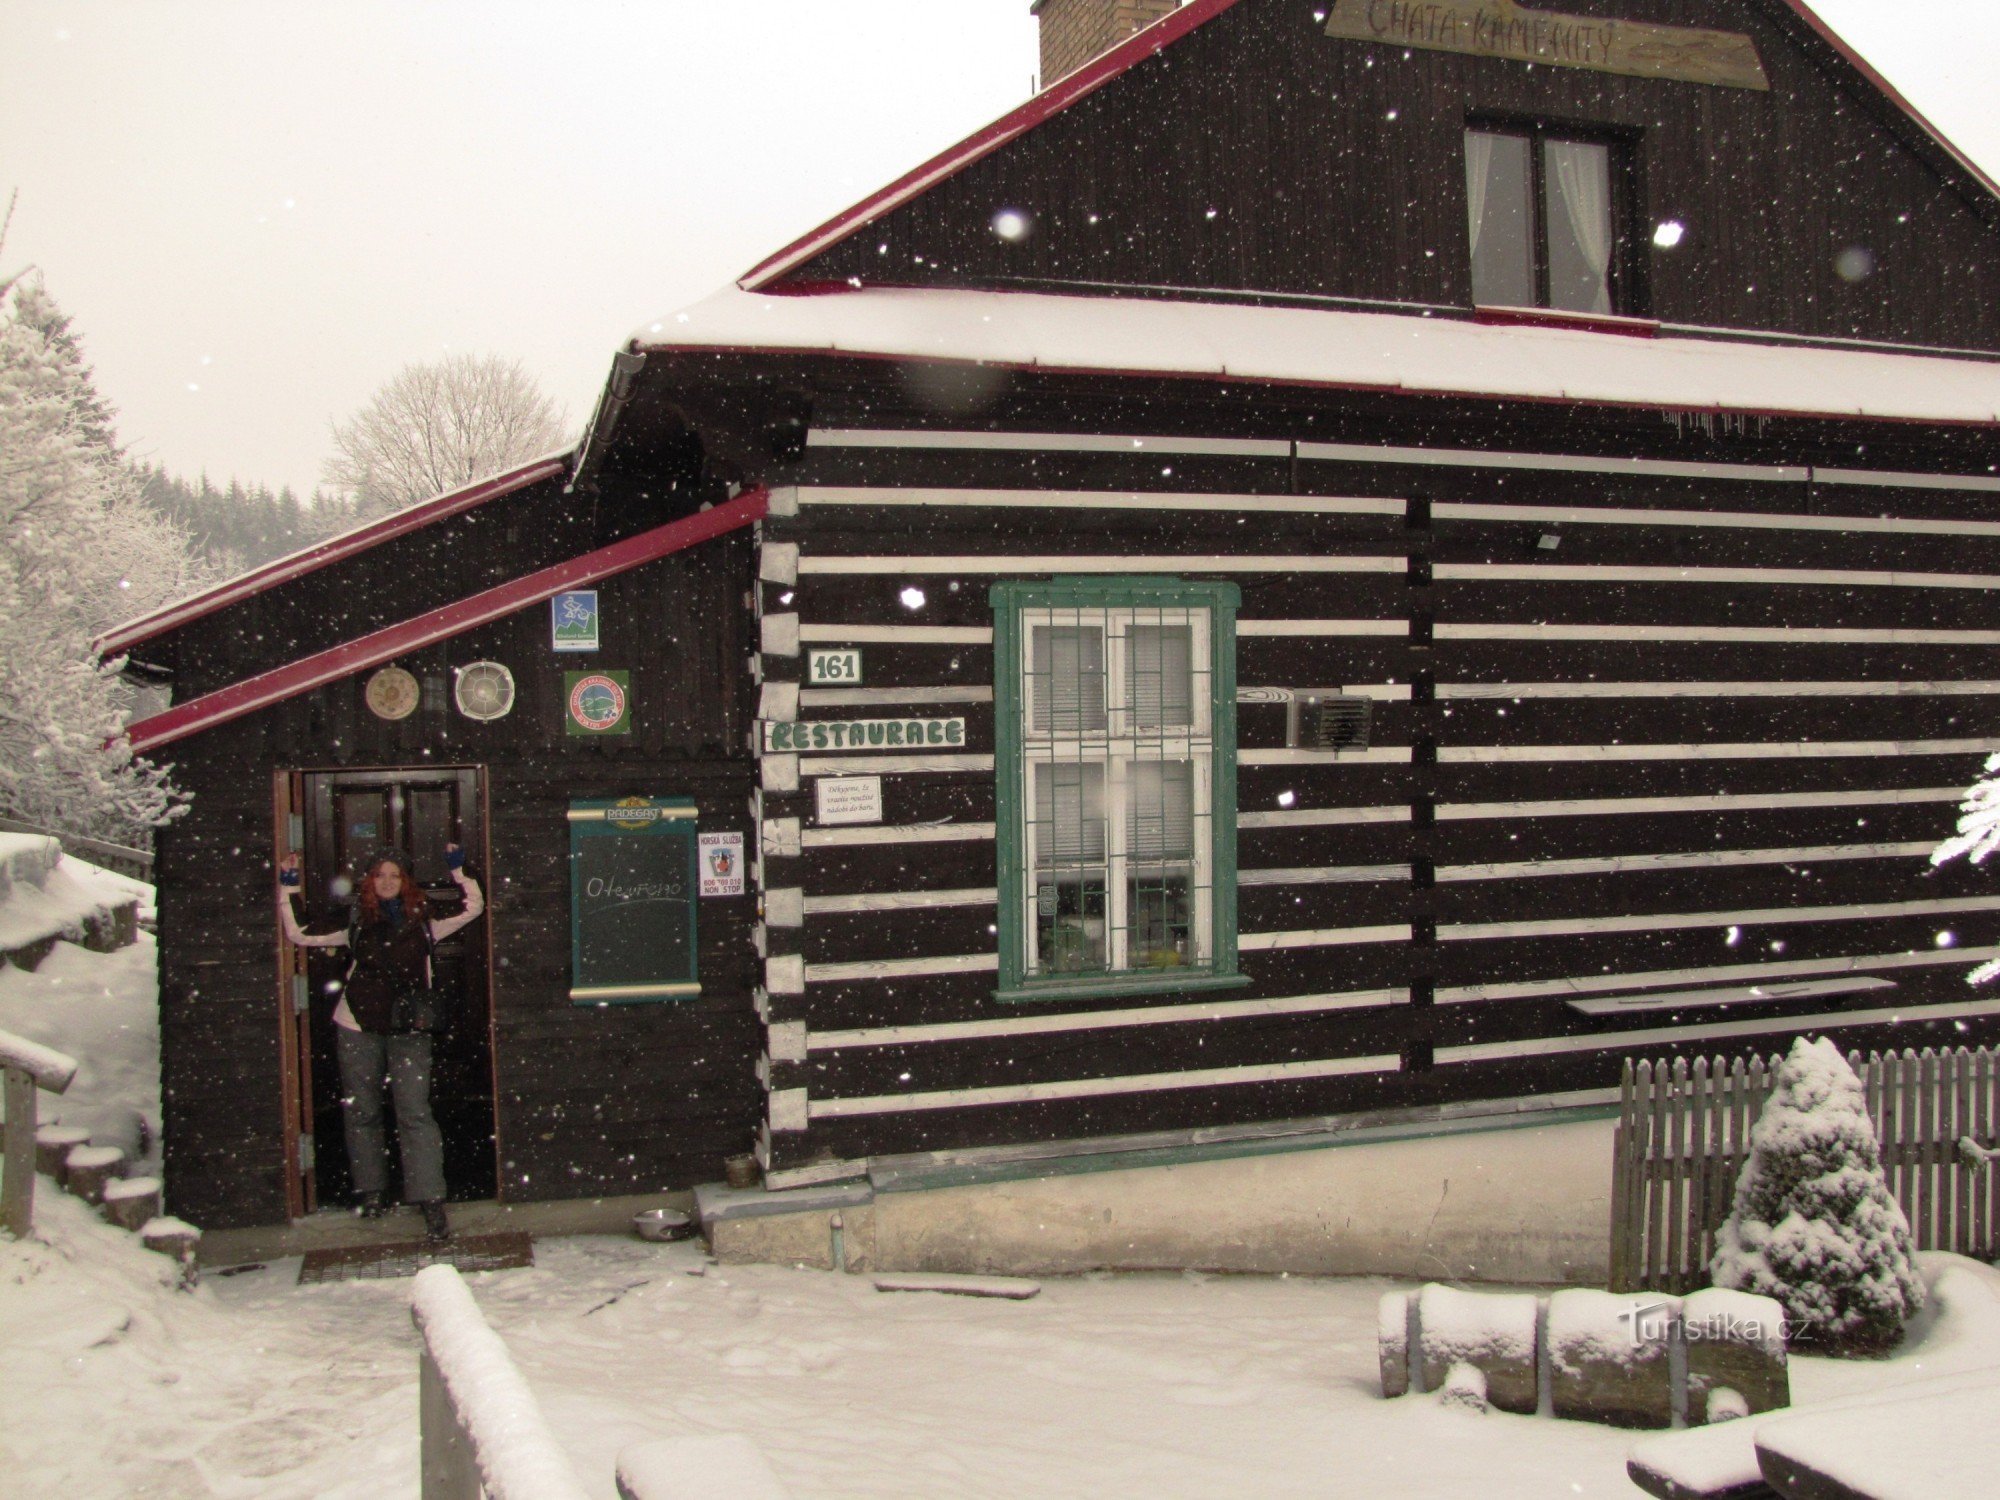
(1116,747)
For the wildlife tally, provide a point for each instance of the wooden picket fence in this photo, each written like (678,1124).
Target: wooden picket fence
(1684,1132)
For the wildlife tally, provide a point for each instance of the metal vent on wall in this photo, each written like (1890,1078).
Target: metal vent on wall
(1330,721)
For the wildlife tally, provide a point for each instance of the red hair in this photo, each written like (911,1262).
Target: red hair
(414,909)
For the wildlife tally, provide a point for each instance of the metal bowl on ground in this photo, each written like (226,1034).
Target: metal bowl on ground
(662,1224)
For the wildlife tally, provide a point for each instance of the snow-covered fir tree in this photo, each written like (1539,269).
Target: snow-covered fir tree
(80,551)
(1977,837)
(1813,1224)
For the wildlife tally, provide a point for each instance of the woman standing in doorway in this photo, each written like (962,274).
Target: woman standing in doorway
(384,1021)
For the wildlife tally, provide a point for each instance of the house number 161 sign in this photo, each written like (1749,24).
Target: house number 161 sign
(834,668)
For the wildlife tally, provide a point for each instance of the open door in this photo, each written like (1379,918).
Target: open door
(343,818)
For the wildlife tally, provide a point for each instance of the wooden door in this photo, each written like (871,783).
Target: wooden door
(350,816)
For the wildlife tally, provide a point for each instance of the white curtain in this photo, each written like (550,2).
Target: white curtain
(1583,172)
(1478,174)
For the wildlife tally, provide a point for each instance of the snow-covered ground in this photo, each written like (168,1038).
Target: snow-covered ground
(1168,1386)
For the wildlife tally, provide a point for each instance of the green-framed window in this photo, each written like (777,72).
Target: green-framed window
(1115,701)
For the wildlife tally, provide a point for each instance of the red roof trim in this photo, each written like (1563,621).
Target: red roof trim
(322,554)
(1051,101)
(302,676)
(1575,322)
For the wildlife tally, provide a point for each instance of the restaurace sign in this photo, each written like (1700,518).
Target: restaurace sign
(1503,28)
(867,734)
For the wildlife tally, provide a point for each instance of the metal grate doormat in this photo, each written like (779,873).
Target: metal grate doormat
(478,1252)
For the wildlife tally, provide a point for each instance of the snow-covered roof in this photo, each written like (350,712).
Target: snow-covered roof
(320,554)
(1155,38)
(1341,349)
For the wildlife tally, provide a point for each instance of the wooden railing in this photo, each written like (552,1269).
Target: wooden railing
(1684,1133)
(122,859)
(483,1434)
(29,1067)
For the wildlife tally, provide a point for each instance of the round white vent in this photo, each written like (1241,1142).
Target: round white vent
(485,690)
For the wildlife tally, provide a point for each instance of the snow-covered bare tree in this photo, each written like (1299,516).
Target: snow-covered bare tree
(1813,1223)
(437,426)
(79,551)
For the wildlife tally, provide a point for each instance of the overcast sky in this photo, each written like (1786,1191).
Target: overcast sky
(257,211)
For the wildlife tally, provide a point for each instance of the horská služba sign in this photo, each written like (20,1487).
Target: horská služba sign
(1503,28)
(867,734)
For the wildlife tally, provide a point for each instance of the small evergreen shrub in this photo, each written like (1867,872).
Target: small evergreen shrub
(1813,1223)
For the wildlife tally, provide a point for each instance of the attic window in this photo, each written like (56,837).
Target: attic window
(1544,217)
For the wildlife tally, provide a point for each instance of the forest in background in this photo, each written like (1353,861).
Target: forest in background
(243,525)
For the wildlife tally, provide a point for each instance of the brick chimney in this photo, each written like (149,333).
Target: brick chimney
(1075,31)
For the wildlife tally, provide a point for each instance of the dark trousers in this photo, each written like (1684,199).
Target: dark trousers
(367,1062)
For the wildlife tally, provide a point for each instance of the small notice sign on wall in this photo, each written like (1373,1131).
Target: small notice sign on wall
(847,799)
(573,619)
(721,864)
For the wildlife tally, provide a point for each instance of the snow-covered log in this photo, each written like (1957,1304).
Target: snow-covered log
(90,1169)
(1609,1357)
(1494,1331)
(482,1429)
(132,1202)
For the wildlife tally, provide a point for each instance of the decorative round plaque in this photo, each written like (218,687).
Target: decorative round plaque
(392,693)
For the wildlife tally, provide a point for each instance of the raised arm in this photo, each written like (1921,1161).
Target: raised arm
(288,920)
(475,899)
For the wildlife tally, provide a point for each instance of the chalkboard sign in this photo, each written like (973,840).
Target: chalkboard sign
(633,890)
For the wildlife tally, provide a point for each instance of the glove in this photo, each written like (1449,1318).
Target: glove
(288,877)
(454,857)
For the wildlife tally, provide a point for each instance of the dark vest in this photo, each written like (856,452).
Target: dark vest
(387,962)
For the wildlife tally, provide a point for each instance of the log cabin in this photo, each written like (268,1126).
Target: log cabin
(1344,570)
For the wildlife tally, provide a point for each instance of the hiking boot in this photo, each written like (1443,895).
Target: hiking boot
(437,1227)
(370,1206)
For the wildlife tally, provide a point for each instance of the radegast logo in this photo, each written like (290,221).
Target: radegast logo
(632,812)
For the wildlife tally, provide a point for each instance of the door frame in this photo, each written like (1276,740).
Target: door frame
(290,811)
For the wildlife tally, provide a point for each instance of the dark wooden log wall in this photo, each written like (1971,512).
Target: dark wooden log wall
(591,1100)
(1259,155)
(1519,786)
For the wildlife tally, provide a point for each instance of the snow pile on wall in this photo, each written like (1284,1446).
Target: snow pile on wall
(45,895)
(1814,1225)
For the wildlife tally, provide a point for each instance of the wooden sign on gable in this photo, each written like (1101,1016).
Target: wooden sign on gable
(1506,29)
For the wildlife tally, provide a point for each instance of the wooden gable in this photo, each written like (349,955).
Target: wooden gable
(1255,153)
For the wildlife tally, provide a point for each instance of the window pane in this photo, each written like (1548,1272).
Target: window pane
(1069,815)
(1502,219)
(1159,810)
(1161,921)
(1070,926)
(1162,670)
(1067,684)
(1577,198)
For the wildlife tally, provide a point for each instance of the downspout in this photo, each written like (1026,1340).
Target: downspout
(618,392)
